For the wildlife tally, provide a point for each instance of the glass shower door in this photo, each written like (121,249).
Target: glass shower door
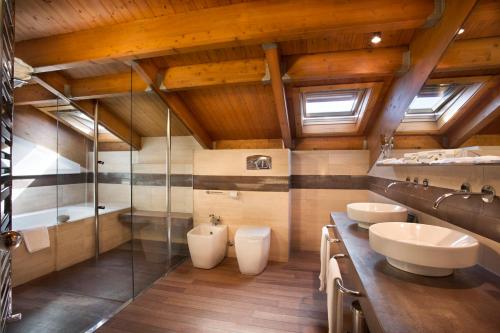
(149,190)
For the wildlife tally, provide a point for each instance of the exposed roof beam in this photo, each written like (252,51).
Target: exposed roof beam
(149,73)
(273,61)
(107,86)
(227,26)
(59,85)
(33,94)
(427,47)
(471,54)
(249,144)
(335,65)
(330,143)
(418,142)
(481,53)
(483,109)
(212,74)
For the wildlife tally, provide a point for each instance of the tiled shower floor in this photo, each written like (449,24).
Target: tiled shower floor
(78,297)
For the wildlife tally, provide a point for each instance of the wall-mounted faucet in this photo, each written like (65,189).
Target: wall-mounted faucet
(487,194)
(214,220)
(407,181)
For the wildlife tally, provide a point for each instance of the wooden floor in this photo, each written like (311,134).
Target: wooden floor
(284,298)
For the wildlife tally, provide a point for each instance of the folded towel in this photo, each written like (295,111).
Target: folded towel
(487,159)
(324,257)
(334,301)
(36,239)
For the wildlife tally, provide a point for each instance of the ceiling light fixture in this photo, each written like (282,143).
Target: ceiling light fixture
(376,37)
(460,31)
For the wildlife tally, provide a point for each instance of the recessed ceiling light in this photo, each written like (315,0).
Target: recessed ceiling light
(461,31)
(376,37)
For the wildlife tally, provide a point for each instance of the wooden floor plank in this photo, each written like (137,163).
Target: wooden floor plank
(284,298)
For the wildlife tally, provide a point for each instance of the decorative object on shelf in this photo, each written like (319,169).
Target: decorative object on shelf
(387,146)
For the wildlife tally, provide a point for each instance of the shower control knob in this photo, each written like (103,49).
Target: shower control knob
(100,162)
(101,207)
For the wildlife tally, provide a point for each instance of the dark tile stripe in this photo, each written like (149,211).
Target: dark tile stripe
(49,180)
(242,183)
(471,214)
(329,182)
(144,179)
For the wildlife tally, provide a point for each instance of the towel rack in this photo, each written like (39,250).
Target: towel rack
(339,297)
(214,192)
(332,240)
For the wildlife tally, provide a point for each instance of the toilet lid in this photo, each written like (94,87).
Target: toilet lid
(253,232)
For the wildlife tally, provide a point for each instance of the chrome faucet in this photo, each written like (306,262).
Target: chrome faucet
(487,194)
(214,220)
(407,181)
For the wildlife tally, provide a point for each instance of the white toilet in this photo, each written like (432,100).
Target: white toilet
(252,248)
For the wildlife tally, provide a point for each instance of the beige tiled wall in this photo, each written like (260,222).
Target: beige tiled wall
(311,207)
(330,162)
(251,208)
(311,210)
(151,159)
(233,162)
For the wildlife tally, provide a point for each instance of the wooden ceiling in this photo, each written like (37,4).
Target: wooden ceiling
(230,96)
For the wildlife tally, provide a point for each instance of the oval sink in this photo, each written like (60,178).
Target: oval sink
(423,249)
(368,213)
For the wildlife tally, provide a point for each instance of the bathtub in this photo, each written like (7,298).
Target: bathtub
(71,242)
(48,217)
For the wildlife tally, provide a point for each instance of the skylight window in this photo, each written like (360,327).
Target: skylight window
(434,100)
(335,106)
(80,121)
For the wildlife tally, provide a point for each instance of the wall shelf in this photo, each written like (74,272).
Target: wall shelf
(443,164)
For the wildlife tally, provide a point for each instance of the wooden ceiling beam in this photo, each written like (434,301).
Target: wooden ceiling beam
(483,109)
(427,47)
(245,71)
(462,55)
(273,61)
(331,143)
(227,26)
(471,54)
(107,86)
(358,63)
(149,73)
(33,94)
(58,85)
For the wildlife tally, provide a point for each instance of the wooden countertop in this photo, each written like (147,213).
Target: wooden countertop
(395,301)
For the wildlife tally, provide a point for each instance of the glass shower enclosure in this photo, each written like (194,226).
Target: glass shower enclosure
(104,195)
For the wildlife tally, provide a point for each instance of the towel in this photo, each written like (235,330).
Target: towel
(324,257)
(487,159)
(36,239)
(334,301)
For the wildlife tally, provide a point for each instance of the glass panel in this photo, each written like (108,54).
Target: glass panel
(332,107)
(330,104)
(150,186)
(183,145)
(432,97)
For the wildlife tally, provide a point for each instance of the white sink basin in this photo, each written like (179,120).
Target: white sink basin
(423,249)
(207,244)
(368,213)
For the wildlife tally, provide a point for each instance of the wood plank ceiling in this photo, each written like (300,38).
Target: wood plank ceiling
(230,112)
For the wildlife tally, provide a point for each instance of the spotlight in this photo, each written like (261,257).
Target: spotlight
(460,31)
(376,37)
